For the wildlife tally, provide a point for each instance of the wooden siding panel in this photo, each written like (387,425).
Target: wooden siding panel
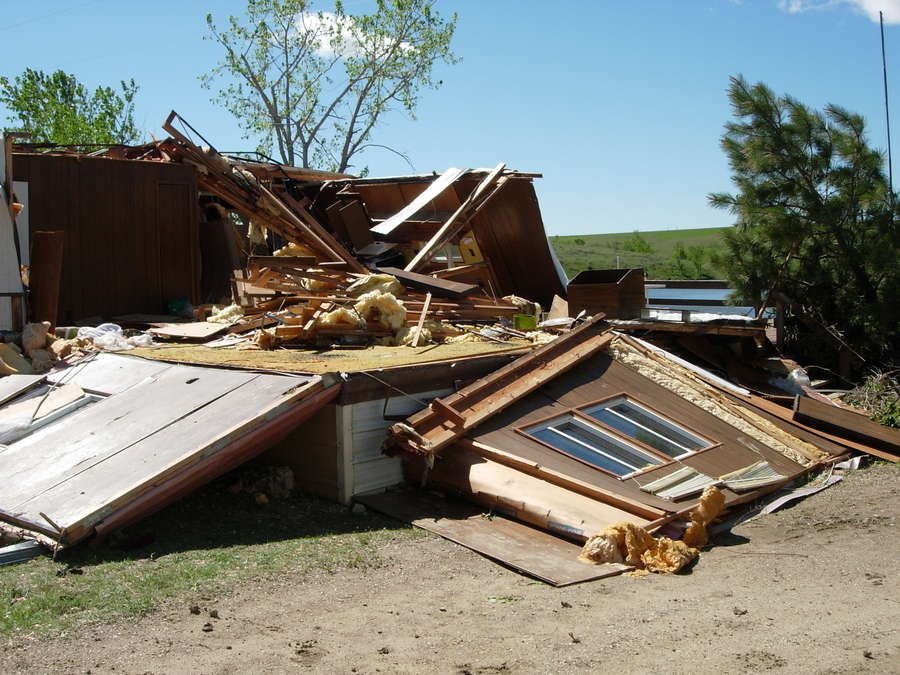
(114,252)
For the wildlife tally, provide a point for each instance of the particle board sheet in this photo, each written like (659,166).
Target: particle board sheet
(516,545)
(196,330)
(108,374)
(13,385)
(99,458)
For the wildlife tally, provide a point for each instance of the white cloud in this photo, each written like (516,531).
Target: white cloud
(890,8)
(335,34)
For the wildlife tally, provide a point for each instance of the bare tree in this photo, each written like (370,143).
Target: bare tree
(314,84)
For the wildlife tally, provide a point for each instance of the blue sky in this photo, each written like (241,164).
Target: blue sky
(619,104)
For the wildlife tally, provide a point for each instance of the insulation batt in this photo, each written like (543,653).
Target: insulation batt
(405,336)
(292,250)
(385,283)
(383,308)
(228,314)
(317,284)
(341,317)
(631,544)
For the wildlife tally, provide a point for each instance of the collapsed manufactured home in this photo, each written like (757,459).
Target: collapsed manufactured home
(402,312)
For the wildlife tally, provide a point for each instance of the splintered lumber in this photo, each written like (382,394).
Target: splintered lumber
(421,322)
(847,423)
(457,221)
(448,419)
(441,287)
(245,193)
(696,328)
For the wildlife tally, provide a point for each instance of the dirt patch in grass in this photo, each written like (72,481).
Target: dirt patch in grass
(810,589)
(208,544)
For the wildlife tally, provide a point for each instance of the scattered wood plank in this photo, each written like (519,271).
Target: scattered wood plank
(13,385)
(440,287)
(421,322)
(526,549)
(847,423)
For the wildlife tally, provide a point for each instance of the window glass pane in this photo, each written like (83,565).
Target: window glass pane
(577,450)
(629,428)
(607,444)
(594,446)
(645,426)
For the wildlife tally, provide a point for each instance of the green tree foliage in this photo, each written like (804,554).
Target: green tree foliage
(57,108)
(637,244)
(815,217)
(314,85)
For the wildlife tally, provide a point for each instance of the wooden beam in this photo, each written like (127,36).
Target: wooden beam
(421,322)
(488,396)
(847,423)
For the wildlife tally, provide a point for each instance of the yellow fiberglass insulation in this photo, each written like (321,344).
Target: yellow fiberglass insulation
(632,545)
(317,284)
(383,308)
(385,283)
(341,317)
(228,314)
(295,250)
(405,336)
(712,501)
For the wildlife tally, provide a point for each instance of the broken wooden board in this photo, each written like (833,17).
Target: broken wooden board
(196,330)
(516,545)
(846,423)
(67,476)
(15,384)
(434,190)
(450,418)
(443,288)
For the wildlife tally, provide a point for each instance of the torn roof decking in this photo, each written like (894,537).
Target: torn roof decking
(159,423)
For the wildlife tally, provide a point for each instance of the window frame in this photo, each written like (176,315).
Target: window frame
(618,436)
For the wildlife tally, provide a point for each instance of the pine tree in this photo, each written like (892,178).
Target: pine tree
(816,218)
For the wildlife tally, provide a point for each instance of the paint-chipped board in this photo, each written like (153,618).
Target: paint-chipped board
(82,499)
(13,385)
(107,374)
(516,545)
(53,454)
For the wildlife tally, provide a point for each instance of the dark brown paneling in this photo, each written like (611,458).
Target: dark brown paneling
(131,231)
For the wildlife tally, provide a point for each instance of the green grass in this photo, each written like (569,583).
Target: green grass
(599,251)
(204,546)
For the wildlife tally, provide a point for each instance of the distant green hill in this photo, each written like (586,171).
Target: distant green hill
(664,254)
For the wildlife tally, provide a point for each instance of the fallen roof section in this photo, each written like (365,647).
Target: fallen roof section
(121,456)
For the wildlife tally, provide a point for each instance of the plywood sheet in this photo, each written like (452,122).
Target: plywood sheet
(523,548)
(196,330)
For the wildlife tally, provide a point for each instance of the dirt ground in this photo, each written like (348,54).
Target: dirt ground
(810,589)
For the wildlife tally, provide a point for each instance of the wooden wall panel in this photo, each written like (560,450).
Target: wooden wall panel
(113,211)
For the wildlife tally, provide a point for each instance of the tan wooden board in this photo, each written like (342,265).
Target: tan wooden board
(196,330)
(516,545)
